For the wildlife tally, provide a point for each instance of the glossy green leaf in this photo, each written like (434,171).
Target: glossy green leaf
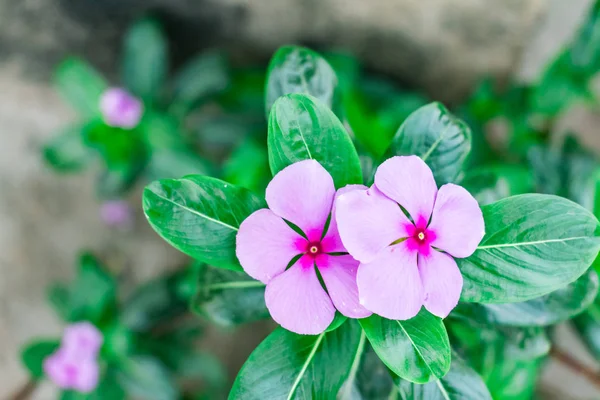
(229,298)
(369,378)
(145,377)
(534,244)
(295,69)
(203,76)
(81,85)
(290,366)
(200,216)
(66,151)
(417,349)
(558,306)
(34,354)
(145,59)
(302,128)
(460,383)
(439,138)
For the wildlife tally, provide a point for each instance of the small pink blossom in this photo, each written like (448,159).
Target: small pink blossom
(116,213)
(120,109)
(408,263)
(301,194)
(74,366)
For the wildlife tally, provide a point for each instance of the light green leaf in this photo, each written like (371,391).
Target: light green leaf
(438,137)
(66,151)
(534,244)
(295,69)
(417,349)
(200,216)
(34,354)
(302,128)
(81,85)
(289,366)
(146,377)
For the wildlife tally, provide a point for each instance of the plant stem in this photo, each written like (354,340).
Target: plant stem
(25,391)
(565,358)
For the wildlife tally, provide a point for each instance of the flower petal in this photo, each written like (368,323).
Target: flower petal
(265,245)
(339,275)
(457,221)
(302,194)
(442,282)
(408,181)
(298,302)
(54,369)
(368,222)
(82,340)
(390,284)
(87,376)
(332,243)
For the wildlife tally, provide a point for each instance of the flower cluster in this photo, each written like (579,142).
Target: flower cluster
(387,249)
(74,366)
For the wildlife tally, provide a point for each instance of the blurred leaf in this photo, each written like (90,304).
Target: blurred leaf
(558,306)
(290,366)
(229,298)
(534,244)
(80,85)
(584,51)
(302,128)
(34,354)
(145,377)
(587,325)
(108,388)
(66,151)
(346,68)
(493,183)
(460,383)
(439,138)
(145,59)
(207,369)
(248,166)
(203,76)
(246,92)
(417,349)
(200,216)
(295,69)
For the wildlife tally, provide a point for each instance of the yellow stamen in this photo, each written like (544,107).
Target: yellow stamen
(314,249)
(421,236)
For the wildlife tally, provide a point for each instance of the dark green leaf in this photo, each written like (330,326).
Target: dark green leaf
(80,85)
(302,128)
(295,69)
(145,59)
(66,152)
(200,216)
(439,138)
(229,298)
(290,366)
(417,349)
(145,377)
(33,356)
(460,383)
(534,244)
(558,306)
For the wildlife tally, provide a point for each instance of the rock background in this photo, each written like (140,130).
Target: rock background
(442,46)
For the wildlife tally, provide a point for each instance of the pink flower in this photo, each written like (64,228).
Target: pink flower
(116,213)
(74,365)
(120,109)
(301,194)
(407,263)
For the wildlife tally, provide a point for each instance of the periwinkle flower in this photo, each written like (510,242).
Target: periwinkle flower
(120,109)
(406,263)
(290,263)
(116,213)
(74,366)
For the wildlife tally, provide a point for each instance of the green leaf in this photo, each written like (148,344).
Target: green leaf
(493,183)
(302,128)
(108,388)
(248,166)
(229,298)
(66,151)
(200,216)
(81,85)
(145,59)
(146,377)
(290,366)
(295,69)
(417,349)
(460,383)
(203,76)
(553,308)
(534,244)
(587,325)
(439,138)
(33,356)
